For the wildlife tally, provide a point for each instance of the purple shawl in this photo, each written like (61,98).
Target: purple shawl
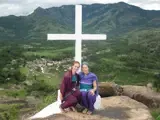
(66,84)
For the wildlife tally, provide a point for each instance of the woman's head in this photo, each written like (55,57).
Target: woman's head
(75,66)
(85,67)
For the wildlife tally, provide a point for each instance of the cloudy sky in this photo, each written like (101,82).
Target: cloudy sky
(25,7)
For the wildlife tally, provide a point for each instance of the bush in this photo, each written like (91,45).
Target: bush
(47,100)
(16,93)
(156,82)
(11,114)
(41,88)
(156,113)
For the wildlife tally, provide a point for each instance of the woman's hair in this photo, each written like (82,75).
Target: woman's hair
(75,62)
(85,63)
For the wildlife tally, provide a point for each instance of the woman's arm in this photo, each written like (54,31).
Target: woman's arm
(92,91)
(94,85)
(63,87)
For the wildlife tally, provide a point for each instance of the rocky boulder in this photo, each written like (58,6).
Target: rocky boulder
(109,89)
(114,108)
(142,94)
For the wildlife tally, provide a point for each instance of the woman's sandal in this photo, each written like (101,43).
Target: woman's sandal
(89,113)
(62,110)
(85,111)
(68,109)
(73,109)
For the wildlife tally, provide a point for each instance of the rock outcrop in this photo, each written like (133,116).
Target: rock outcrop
(109,89)
(142,94)
(114,108)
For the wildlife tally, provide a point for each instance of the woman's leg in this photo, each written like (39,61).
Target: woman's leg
(78,95)
(91,100)
(70,101)
(84,99)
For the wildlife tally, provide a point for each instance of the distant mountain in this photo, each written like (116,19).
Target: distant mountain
(111,19)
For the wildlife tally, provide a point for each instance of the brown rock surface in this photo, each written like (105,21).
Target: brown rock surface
(114,108)
(109,89)
(142,94)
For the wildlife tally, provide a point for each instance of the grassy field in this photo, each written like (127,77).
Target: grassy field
(49,79)
(48,53)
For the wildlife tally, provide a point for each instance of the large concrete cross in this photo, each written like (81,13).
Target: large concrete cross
(78,36)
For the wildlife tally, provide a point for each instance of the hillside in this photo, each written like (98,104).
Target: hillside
(113,19)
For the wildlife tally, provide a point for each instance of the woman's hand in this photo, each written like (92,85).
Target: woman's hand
(92,92)
(74,89)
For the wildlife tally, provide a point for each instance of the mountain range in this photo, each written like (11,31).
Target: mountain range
(112,19)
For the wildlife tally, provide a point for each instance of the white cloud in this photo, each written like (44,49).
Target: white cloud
(110,1)
(148,4)
(152,6)
(24,7)
(6,9)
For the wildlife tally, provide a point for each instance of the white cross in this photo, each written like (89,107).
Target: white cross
(78,36)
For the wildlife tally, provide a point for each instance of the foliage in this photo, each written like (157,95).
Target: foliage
(17,93)
(11,114)
(156,82)
(46,100)
(11,59)
(156,113)
(40,88)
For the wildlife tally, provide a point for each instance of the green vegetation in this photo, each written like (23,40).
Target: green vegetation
(16,93)
(11,114)
(156,114)
(120,61)
(125,62)
(156,82)
(46,101)
(9,65)
(52,54)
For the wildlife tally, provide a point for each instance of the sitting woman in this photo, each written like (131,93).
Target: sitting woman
(69,94)
(88,88)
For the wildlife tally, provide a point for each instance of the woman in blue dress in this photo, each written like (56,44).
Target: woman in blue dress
(88,88)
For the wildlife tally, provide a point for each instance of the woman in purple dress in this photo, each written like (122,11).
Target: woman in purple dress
(88,88)
(69,92)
